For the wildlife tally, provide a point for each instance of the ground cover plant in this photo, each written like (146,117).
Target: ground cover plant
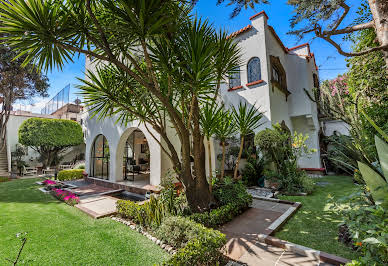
(4,179)
(315,225)
(62,235)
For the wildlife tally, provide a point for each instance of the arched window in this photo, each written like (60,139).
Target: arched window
(254,70)
(234,78)
(100,158)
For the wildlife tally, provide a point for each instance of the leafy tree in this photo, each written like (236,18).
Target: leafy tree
(17,82)
(224,129)
(50,137)
(158,65)
(246,120)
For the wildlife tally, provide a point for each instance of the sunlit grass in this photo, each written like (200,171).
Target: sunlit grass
(315,225)
(62,235)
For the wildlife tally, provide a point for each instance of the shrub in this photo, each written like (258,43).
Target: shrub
(81,166)
(234,200)
(70,174)
(178,230)
(367,225)
(150,213)
(4,179)
(204,249)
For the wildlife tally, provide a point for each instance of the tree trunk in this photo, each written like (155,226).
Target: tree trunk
(223,161)
(379,9)
(210,164)
(239,157)
(198,194)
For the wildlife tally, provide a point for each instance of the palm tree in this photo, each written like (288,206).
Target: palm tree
(224,130)
(247,120)
(210,115)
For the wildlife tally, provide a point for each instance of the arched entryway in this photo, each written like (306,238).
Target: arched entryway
(136,158)
(100,158)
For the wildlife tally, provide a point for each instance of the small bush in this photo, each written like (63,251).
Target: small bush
(148,214)
(203,245)
(4,179)
(70,174)
(81,166)
(234,200)
(177,230)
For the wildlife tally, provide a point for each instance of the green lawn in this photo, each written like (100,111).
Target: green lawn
(59,234)
(315,225)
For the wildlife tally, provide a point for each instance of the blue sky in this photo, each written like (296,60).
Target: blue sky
(328,60)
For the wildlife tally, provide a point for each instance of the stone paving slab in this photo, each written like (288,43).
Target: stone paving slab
(244,231)
(90,190)
(98,207)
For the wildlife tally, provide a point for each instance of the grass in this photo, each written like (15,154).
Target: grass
(59,234)
(315,225)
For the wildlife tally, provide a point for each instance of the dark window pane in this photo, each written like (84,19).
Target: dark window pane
(254,70)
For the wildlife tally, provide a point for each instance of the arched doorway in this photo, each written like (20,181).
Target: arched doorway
(136,158)
(100,158)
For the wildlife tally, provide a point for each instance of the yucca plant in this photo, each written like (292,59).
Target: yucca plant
(247,119)
(376,183)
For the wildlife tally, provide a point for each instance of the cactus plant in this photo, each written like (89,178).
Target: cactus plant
(376,183)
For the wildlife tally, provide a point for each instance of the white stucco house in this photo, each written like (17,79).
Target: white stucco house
(272,78)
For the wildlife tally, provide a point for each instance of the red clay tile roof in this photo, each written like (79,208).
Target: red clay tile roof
(258,14)
(234,34)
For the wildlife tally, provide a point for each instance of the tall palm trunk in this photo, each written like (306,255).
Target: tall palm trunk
(239,157)
(223,161)
(210,164)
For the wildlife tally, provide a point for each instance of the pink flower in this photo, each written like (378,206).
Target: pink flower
(66,198)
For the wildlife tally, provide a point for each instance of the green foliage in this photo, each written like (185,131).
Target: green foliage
(4,179)
(70,174)
(174,201)
(234,200)
(177,230)
(368,226)
(284,150)
(377,184)
(81,166)
(37,132)
(148,214)
(201,250)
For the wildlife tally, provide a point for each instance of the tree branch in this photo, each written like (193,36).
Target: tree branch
(342,52)
(368,25)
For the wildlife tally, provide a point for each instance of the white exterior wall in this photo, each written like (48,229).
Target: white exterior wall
(116,136)
(297,111)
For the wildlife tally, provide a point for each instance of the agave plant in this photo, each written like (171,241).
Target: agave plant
(376,183)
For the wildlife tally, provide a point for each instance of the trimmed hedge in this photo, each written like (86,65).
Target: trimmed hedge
(70,174)
(234,200)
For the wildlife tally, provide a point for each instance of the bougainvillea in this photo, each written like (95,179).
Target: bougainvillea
(66,196)
(49,182)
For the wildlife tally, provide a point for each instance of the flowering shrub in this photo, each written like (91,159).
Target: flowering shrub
(49,182)
(66,196)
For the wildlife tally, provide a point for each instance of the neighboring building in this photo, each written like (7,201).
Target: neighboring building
(272,79)
(69,111)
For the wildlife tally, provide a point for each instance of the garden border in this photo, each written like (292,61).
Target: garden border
(299,249)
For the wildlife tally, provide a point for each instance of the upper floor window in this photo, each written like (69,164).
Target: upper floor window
(278,75)
(316,81)
(234,77)
(254,70)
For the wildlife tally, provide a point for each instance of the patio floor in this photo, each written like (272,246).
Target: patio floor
(243,236)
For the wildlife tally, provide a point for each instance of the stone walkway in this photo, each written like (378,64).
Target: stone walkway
(243,236)
(98,206)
